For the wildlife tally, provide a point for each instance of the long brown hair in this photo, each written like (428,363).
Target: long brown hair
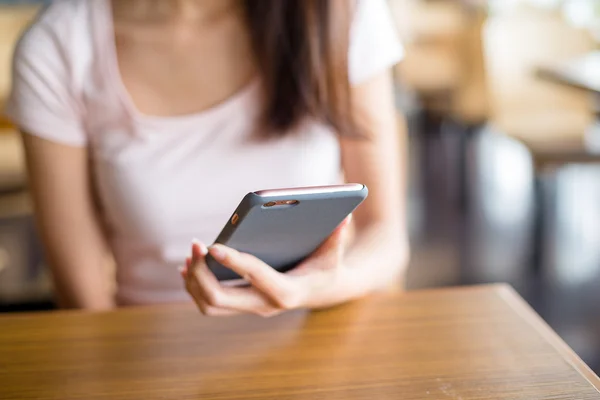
(301,47)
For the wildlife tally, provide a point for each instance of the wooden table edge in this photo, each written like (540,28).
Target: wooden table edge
(524,310)
(185,305)
(504,291)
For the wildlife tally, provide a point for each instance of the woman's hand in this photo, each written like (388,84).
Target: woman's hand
(310,285)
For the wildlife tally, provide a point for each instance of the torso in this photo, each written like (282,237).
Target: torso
(173,143)
(167,117)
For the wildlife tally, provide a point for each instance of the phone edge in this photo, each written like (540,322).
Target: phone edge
(348,187)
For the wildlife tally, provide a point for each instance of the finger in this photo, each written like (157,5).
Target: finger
(216,312)
(199,250)
(348,219)
(338,234)
(206,309)
(348,232)
(276,286)
(247,300)
(183,272)
(193,264)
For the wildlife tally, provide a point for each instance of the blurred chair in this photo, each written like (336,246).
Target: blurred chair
(13,20)
(12,162)
(551,120)
(444,70)
(529,173)
(548,118)
(443,63)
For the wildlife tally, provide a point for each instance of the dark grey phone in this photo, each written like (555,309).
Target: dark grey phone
(282,227)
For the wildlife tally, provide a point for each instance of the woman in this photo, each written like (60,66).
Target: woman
(146,121)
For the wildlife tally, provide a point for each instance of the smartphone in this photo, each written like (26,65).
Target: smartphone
(284,226)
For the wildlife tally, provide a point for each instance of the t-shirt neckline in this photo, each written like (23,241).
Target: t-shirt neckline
(242,96)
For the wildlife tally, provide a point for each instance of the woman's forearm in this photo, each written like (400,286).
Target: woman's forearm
(68,223)
(89,291)
(377,257)
(78,258)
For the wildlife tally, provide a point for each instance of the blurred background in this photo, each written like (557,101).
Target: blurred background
(503,104)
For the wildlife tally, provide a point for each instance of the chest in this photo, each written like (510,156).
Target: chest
(169,179)
(178,70)
(185,184)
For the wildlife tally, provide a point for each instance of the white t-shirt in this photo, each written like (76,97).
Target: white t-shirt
(165,180)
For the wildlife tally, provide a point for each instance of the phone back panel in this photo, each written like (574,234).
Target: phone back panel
(284,236)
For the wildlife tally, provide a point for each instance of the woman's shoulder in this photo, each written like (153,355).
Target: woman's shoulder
(60,24)
(374,40)
(51,61)
(62,15)
(60,41)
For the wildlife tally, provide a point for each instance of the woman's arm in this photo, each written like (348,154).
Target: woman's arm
(67,220)
(335,273)
(379,253)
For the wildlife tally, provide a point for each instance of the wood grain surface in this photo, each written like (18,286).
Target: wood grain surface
(472,343)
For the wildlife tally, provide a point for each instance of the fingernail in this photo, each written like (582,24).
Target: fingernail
(217,252)
(203,249)
(202,246)
(182,272)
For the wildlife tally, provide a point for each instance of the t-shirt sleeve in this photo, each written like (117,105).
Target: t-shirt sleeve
(41,101)
(374,42)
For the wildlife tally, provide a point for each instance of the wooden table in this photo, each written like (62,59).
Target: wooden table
(473,343)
